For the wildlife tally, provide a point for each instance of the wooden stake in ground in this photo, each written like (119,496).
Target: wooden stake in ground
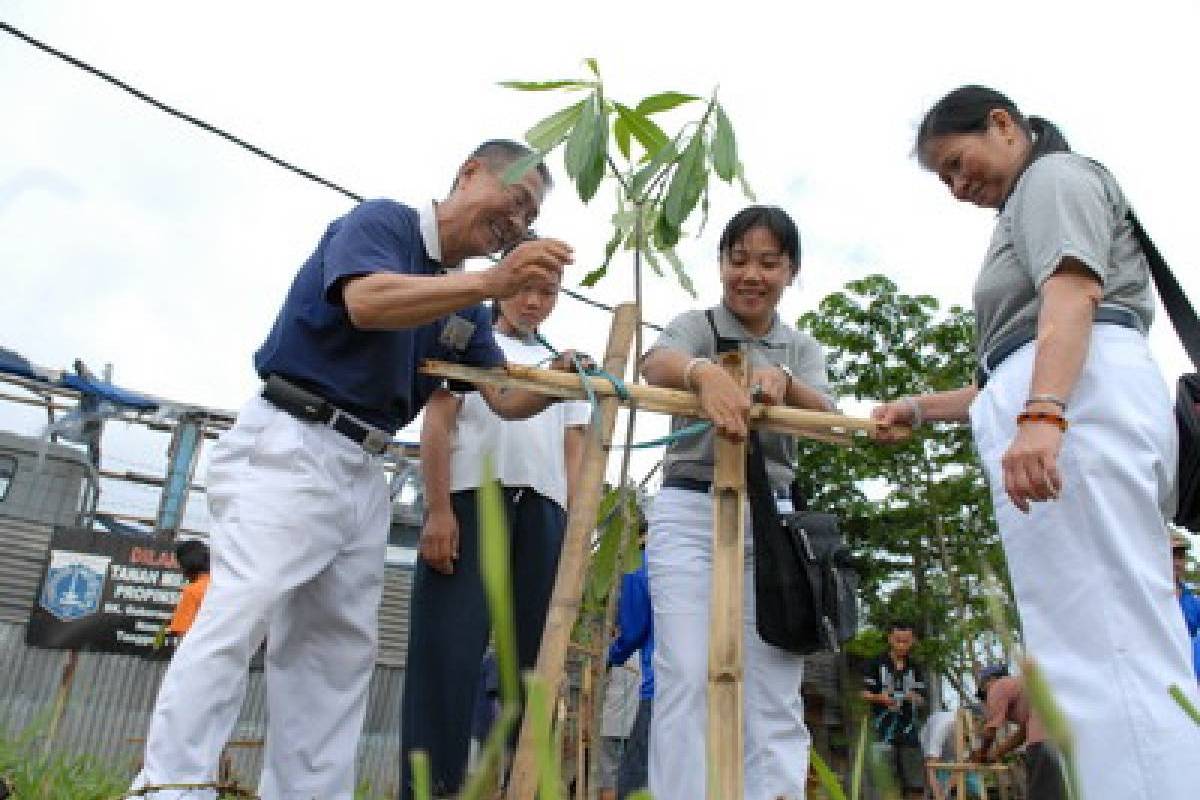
(572,563)
(725,641)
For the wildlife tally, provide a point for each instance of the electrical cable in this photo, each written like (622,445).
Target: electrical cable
(210,128)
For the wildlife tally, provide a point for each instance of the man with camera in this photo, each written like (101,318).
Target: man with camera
(296,488)
(897,691)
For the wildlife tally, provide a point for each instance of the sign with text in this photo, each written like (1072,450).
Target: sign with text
(107,592)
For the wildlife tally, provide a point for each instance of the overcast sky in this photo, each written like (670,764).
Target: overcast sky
(130,237)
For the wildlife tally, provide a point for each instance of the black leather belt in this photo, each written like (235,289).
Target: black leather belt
(304,405)
(693,485)
(1105,315)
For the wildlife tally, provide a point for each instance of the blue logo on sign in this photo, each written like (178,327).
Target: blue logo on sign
(74,584)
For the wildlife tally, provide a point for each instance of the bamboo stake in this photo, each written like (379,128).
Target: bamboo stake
(725,641)
(568,585)
(784,419)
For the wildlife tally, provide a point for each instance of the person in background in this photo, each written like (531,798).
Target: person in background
(536,462)
(1074,428)
(1006,700)
(192,555)
(635,627)
(616,724)
(1188,602)
(939,744)
(896,688)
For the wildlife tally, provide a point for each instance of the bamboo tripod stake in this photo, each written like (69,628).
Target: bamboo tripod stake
(572,563)
(725,641)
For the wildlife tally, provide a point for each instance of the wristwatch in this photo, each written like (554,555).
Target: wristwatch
(786,370)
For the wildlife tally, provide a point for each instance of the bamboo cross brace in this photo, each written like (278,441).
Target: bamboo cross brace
(822,425)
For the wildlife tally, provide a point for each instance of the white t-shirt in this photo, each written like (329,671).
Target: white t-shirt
(527,452)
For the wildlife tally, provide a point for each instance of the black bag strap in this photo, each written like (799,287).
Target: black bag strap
(1179,310)
(725,344)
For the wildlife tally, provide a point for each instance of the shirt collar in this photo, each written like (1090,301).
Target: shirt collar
(427,213)
(729,324)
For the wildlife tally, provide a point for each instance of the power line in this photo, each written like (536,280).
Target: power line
(161,106)
(258,151)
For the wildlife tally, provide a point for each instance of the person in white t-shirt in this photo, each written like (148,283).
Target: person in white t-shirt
(536,461)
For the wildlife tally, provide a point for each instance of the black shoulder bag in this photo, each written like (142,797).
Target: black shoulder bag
(805,587)
(1187,392)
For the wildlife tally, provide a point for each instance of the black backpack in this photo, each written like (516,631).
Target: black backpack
(805,584)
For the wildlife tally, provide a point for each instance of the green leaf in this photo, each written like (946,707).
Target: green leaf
(652,260)
(613,244)
(543,86)
(645,130)
(593,277)
(681,275)
(687,183)
(494,560)
(666,234)
(579,142)
(741,178)
(551,131)
(515,171)
(826,776)
(664,101)
(593,66)
(724,148)
(621,134)
(589,178)
(646,174)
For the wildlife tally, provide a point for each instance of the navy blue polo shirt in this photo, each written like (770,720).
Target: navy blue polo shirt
(371,374)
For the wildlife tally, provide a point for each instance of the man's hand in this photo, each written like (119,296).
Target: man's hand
(769,385)
(535,260)
(439,541)
(565,361)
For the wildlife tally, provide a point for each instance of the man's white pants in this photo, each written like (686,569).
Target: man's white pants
(1092,570)
(679,561)
(300,516)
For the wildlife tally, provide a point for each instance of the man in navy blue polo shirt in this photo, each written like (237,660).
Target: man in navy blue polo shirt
(298,498)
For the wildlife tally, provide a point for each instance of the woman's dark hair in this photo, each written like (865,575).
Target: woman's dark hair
(192,556)
(966,109)
(774,219)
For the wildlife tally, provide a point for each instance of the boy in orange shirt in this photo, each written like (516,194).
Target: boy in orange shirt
(192,555)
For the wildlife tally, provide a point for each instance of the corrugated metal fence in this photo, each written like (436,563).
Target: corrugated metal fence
(112,696)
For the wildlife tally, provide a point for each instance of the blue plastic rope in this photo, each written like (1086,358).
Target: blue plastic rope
(622,392)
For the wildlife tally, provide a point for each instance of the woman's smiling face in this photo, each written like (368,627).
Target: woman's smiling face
(754,273)
(980,168)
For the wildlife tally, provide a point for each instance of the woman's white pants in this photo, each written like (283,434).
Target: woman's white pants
(1091,571)
(679,560)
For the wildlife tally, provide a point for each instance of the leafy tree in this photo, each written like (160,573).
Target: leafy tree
(920,510)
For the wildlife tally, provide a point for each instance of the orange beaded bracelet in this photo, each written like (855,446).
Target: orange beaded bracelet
(1057,420)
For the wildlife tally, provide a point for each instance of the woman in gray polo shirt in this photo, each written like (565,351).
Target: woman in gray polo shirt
(759,258)
(1073,423)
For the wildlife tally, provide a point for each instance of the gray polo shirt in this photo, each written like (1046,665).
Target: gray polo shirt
(1063,205)
(692,456)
